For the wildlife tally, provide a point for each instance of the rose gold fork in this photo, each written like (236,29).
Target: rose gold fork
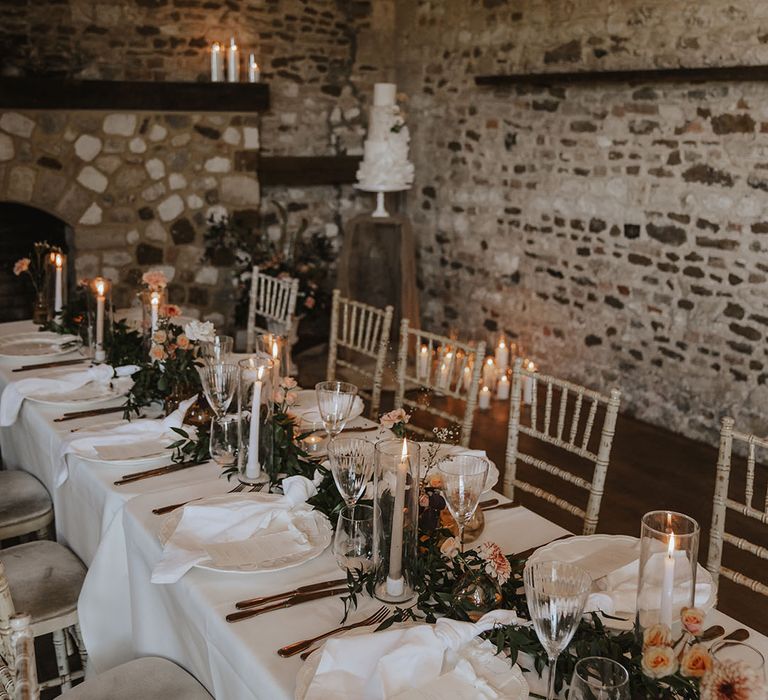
(296,647)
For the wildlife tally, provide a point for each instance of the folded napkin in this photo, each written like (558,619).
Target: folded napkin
(380,665)
(615,571)
(146,430)
(224,529)
(15,393)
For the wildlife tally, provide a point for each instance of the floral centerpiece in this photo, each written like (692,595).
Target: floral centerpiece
(36,268)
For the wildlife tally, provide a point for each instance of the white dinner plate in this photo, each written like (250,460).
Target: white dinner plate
(442,452)
(575,548)
(506,680)
(306,406)
(38,346)
(92,394)
(312,523)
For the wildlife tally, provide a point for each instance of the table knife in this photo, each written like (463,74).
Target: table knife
(288,603)
(48,365)
(311,588)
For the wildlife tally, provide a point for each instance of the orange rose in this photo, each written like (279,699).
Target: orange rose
(659,662)
(658,635)
(160,337)
(696,661)
(182,341)
(693,620)
(157,353)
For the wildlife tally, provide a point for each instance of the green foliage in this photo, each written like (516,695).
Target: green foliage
(194,447)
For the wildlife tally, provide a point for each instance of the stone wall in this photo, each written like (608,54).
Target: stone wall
(618,231)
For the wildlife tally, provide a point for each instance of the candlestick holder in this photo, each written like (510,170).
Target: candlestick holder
(153,304)
(278,349)
(395,519)
(669,548)
(57,288)
(100,318)
(255,434)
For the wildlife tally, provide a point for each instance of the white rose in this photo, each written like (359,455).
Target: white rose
(198,331)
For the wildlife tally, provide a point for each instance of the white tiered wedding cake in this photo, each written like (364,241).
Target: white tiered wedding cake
(385,166)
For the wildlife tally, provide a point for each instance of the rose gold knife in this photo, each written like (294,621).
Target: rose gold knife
(288,603)
(311,588)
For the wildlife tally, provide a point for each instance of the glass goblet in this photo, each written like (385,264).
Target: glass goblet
(224,440)
(462,483)
(218,350)
(352,461)
(353,539)
(598,678)
(219,382)
(335,401)
(556,593)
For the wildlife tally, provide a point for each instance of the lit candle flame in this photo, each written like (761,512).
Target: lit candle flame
(154,298)
(275,349)
(489,362)
(100,287)
(59,260)
(216,47)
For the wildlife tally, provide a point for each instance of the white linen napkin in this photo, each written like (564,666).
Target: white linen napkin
(149,430)
(380,665)
(15,392)
(233,520)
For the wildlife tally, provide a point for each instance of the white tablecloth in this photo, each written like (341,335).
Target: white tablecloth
(123,615)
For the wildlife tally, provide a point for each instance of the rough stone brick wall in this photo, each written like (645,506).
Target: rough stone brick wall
(619,231)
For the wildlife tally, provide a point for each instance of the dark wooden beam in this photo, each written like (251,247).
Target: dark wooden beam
(308,170)
(653,75)
(56,93)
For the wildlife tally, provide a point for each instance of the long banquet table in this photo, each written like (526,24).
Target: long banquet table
(123,616)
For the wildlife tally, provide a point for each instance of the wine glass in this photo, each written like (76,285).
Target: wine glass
(218,350)
(556,592)
(335,401)
(598,678)
(219,382)
(224,440)
(352,461)
(463,481)
(353,539)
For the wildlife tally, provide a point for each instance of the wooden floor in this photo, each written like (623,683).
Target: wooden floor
(650,469)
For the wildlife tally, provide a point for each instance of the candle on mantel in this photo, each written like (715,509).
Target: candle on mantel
(422,364)
(668,584)
(528,382)
(502,355)
(254,72)
(100,285)
(58,301)
(253,466)
(484,401)
(489,372)
(154,302)
(502,388)
(217,63)
(233,62)
(395,583)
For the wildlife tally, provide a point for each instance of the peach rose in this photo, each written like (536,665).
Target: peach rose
(696,661)
(389,420)
(693,620)
(291,398)
(182,341)
(21,266)
(172,310)
(450,547)
(658,635)
(288,383)
(157,353)
(160,337)
(278,395)
(155,279)
(659,662)
(435,481)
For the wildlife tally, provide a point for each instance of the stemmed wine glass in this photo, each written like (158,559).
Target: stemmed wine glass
(599,678)
(463,481)
(219,382)
(218,350)
(352,461)
(335,401)
(556,592)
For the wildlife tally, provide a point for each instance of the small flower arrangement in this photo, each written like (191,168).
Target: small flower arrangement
(155,280)
(35,266)
(395,421)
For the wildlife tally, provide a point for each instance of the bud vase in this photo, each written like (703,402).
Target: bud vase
(40,308)
(476,593)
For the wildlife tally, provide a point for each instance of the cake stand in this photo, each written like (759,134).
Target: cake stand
(380,212)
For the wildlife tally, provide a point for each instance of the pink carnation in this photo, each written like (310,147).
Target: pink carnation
(496,564)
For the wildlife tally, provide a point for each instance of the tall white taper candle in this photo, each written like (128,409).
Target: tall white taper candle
(253,466)
(395,583)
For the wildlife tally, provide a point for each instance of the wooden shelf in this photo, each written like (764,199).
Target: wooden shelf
(55,93)
(308,170)
(679,75)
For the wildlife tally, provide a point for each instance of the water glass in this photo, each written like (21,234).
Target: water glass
(556,593)
(219,382)
(462,483)
(316,441)
(353,539)
(224,440)
(218,350)
(598,678)
(352,461)
(335,401)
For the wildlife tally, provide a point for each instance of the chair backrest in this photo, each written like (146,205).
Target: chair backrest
(437,363)
(7,611)
(722,503)
(571,431)
(272,298)
(362,330)
(18,672)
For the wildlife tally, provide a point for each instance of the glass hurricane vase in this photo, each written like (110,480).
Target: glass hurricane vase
(476,593)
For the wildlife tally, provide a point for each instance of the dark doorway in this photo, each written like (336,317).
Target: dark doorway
(20,227)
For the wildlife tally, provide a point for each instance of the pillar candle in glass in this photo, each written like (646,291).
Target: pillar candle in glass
(528,382)
(233,61)
(466,377)
(396,518)
(217,63)
(669,547)
(423,363)
(502,388)
(484,399)
(255,435)
(489,372)
(502,355)
(278,349)
(254,72)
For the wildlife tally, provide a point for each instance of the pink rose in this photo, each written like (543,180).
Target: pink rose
(279,395)
(21,266)
(288,383)
(171,310)
(659,662)
(391,419)
(309,302)
(291,398)
(155,279)
(693,620)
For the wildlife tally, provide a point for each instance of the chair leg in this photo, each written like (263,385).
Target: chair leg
(60,647)
(80,645)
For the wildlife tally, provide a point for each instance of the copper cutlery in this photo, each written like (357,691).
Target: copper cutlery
(176,506)
(297,647)
(74,415)
(487,504)
(502,506)
(287,603)
(49,365)
(361,430)
(159,471)
(310,588)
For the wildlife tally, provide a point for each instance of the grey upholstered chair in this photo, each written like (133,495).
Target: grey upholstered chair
(25,506)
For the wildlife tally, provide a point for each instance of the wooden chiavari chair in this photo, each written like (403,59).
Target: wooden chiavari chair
(444,374)
(572,435)
(273,299)
(361,332)
(722,503)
